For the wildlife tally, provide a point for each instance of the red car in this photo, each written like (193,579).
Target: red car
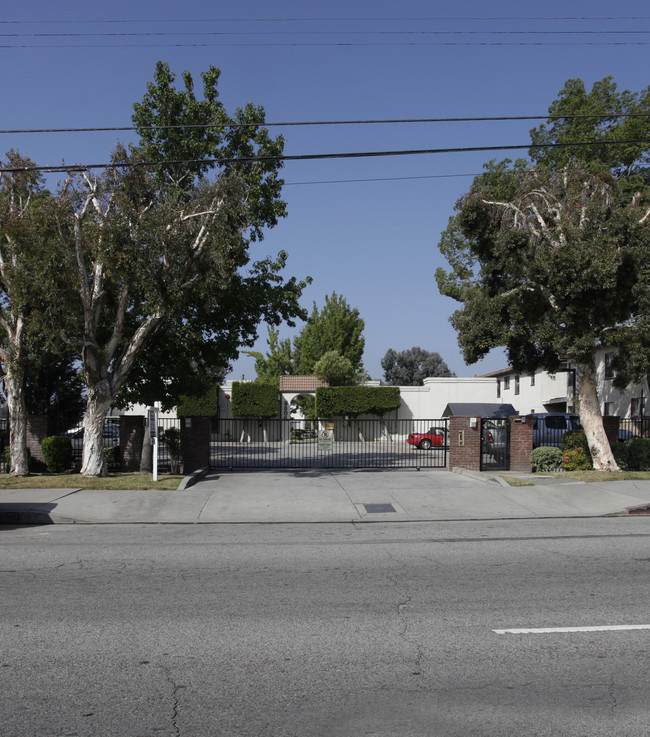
(433,438)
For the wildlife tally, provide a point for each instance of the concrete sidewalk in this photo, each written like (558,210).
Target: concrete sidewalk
(327,496)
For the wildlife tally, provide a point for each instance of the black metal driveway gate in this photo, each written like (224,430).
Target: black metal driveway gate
(329,444)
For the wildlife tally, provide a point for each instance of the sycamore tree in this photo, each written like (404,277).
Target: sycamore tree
(161,238)
(25,262)
(549,258)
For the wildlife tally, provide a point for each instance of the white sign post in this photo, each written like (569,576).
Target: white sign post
(153,434)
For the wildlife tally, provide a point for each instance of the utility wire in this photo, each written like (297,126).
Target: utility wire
(322,44)
(331,19)
(481,119)
(313,157)
(146,34)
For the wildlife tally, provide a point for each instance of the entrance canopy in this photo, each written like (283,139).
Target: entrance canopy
(478,409)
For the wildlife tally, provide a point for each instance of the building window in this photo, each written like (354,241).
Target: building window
(506,382)
(609,409)
(532,379)
(636,407)
(571,379)
(498,388)
(517,384)
(609,370)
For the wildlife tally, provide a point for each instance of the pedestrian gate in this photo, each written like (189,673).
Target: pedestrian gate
(495,444)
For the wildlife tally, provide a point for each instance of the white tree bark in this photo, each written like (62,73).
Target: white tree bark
(592,419)
(14,385)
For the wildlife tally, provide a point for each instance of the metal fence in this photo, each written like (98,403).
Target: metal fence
(635,427)
(336,443)
(170,455)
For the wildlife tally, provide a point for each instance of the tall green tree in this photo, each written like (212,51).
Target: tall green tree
(335,369)
(25,263)
(278,360)
(549,259)
(412,366)
(150,246)
(337,327)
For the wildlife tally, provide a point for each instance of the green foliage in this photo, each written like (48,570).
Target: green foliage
(278,360)
(545,459)
(206,405)
(259,400)
(352,401)
(57,452)
(337,327)
(335,369)
(603,102)
(411,367)
(634,454)
(172,439)
(575,439)
(307,404)
(576,459)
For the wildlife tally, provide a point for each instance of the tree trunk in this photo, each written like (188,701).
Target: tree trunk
(592,419)
(146,457)
(98,404)
(17,412)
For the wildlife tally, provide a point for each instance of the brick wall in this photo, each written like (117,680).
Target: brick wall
(467,455)
(131,436)
(195,442)
(36,434)
(521,443)
(611,425)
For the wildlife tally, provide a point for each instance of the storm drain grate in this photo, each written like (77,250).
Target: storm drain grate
(379,508)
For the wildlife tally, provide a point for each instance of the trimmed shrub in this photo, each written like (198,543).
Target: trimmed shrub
(57,452)
(255,400)
(575,439)
(205,406)
(352,401)
(546,459)
(577,459)
(620,454)
(637,454)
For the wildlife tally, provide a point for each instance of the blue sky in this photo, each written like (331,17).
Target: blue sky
(373,241)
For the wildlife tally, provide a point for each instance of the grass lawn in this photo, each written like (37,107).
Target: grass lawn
(586,476)
(77,481)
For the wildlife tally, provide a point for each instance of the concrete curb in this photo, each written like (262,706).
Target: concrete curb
(190,480)
(481,476)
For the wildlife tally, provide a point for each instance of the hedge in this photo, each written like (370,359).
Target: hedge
(352,401)
(255,400)
(205,406)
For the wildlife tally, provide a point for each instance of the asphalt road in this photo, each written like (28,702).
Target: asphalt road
(326,630)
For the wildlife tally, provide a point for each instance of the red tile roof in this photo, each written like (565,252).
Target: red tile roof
(300,383)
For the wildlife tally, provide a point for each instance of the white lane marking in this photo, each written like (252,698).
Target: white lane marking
(551,630)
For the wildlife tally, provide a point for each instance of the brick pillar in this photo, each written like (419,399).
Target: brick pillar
(131,436)
(467,455)
(36,434)
(195,442)
(611,425)
(521,443)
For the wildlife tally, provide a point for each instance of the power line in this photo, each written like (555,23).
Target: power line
(387,121)
(331,19)
(315,157)
(146,34)
(334,44)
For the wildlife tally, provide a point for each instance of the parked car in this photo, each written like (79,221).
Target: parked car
(110,435)
(495,439)
(435,437)
(549,428)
